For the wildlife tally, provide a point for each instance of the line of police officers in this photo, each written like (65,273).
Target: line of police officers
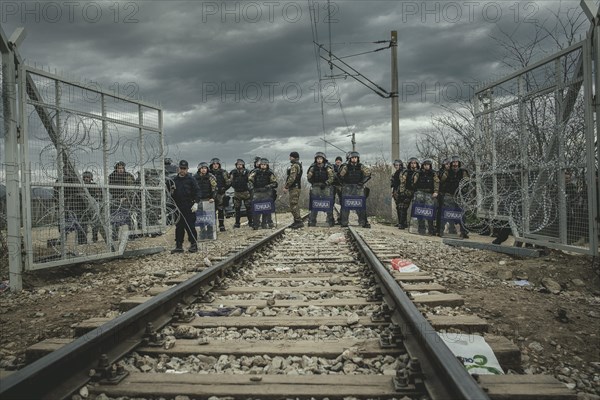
(211,182)
(419,182)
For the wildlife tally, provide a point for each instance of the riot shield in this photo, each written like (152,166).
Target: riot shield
(422,213)
(321,199)
(450,218)
(353,198)
(206,221)
(262,202)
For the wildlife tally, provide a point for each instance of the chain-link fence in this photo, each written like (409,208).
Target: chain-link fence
(536,169)
(93,164)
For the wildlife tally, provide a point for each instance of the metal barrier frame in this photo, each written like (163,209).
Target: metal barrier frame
(20,95)
(486,135)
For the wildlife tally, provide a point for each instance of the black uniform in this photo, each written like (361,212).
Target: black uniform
(185,192)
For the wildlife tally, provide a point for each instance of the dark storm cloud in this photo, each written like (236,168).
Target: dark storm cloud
(237,77)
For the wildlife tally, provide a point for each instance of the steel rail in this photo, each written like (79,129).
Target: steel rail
(445,377)
(65,370)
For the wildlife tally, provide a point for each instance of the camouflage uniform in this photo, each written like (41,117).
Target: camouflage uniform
(292,184)
(354,175)
(321,177)
(449,184)
(223,183)
(406,191)
(262,181)
(427,186)
(239,182)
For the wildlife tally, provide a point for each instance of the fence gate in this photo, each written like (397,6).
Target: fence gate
(536,168)
(87,165)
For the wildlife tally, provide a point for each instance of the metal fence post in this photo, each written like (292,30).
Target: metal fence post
(13,204)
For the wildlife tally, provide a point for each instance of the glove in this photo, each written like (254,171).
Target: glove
(323,186)
(195,207)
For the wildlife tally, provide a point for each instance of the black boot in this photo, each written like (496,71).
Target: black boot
(178,248)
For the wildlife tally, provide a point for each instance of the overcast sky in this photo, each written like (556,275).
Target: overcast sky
(238,79)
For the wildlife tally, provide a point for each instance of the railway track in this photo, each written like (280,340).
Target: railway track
(293,314)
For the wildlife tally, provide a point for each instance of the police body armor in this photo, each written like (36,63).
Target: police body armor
(354,175)
(239,180)
(453,181)
(220,177)
(426,181)
(262,178)
(319,173)
(204,185)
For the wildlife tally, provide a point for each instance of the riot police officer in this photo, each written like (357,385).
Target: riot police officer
(207,189)
(406,190)
(427,185)
(262,182)
(395,185)
(354,175)
(223,183)
(337,182)
(121,199)
(449,184)
(239,183)
(186,195)
(292,185)
(445,166)
(321,177)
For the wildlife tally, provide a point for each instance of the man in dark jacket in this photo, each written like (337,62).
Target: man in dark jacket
(121,198)
(186,194)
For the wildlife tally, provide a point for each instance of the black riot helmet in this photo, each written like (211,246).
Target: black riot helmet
(257,161)
(425,162)
(168,161)
(120,164)
(202,165)
(240,161)
(215,161)
(320,154)
(456,159)
(399,163)
(264,161)
(87,175)
(355,154)
(413,160)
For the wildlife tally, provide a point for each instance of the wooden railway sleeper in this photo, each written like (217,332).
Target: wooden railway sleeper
(109,374)
(182,315)
(152,338)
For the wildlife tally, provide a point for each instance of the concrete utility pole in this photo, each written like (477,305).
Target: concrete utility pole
(394,97)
